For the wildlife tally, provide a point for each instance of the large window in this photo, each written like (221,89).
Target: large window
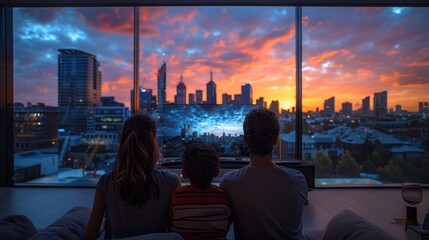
(73,71)
(365,114)
(201,70)
(365,94)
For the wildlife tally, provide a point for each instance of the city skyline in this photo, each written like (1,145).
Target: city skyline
(351,58)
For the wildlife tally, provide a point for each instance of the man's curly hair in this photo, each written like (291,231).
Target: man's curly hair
(261,130)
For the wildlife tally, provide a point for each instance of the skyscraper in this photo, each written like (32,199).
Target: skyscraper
(329,107)
(146,100)
(380,103)
(162,82)
(199,96)
(191,99)
(79,87)
(211,90)
(261,103)
(226,98)
(247,94)
(346,109)
(180,97)
(365,106)
(275,107)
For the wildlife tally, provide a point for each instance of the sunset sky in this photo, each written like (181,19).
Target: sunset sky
(349,53)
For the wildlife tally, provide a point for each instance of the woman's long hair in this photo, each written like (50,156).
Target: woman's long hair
(133,175)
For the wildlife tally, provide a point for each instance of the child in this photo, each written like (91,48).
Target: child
(200,210)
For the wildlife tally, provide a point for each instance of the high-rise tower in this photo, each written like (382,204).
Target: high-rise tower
(211,90)
(199,96)
(380,103)
(247,94)
(180,97)
(79,87)
(365,106)
(162,83)
(329,107)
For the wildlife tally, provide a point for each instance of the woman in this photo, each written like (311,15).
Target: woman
(135,195)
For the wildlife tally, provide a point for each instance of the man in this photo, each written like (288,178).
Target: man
(266,200)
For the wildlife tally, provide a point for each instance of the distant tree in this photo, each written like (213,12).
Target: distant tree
(323,164)
(391,172)
(377,159)
(347,166)
(369,167)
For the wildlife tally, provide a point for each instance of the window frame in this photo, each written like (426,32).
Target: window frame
(6,53)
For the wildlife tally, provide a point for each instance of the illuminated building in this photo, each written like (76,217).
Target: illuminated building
(35,126)
(79,87)
(147,100)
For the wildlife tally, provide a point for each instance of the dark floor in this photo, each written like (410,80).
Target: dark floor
(378,205)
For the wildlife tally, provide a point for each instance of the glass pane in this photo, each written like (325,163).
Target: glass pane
(208,66)
(365,94)
(73,68)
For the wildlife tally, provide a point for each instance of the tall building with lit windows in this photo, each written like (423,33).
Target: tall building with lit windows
(162,83)
(180,97)
(365,106)
(211,90)
(146,98)
(199,96)
(380,103)
(79,87)
(329,107)
(247,94)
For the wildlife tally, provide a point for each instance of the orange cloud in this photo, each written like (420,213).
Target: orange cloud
(327,54)
(393,52)
(183,17)
(363,73)
(281,38)
(394,77)
(42,90)
(419,64)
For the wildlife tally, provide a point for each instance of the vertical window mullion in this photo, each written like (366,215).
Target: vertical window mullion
(298,57)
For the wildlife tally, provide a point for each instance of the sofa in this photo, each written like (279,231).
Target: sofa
(71,225)
(346,225)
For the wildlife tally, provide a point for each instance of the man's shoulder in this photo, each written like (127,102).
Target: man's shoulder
(291,171)
(234,174)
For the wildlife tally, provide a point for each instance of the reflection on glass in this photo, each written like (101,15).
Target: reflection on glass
(365,94)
